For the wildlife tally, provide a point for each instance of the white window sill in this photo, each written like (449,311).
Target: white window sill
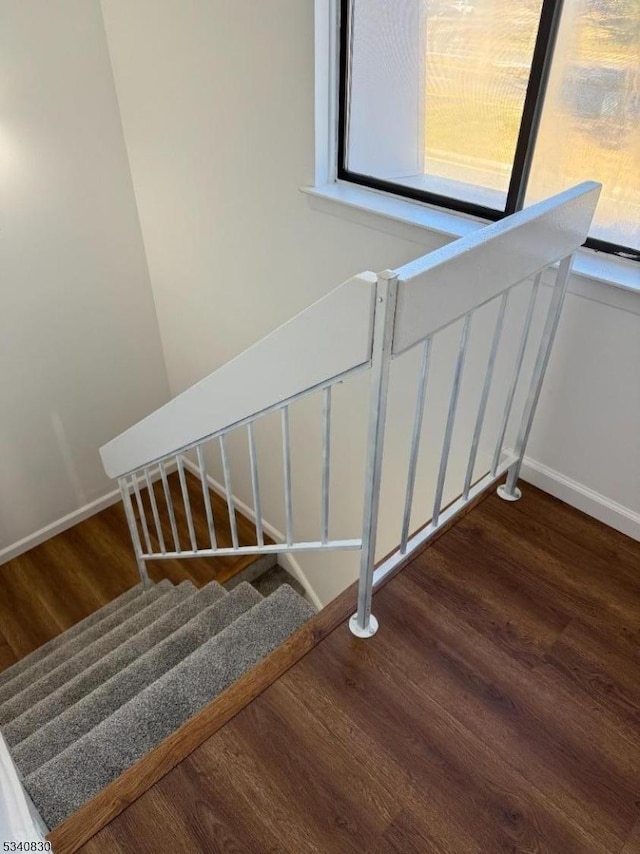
(620,278)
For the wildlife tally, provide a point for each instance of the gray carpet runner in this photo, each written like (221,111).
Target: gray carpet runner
(82,656)
(82,709)
(66,651)
(95,675)
(71,633)
(69,725)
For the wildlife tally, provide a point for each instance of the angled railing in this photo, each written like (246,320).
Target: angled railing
(362,326)
(320,347)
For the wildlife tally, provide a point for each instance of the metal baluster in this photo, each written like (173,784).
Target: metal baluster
(451,417)
(415,442)
(326,462)
(186,502)
(154,510)
(255,484)
(227,485)
(363,624)
(141,512)
(133,530)
(509,491)
(169,502)
(484,399)
(206,497)
(286,461)
(516,373)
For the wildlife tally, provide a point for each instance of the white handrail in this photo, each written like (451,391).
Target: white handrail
(361,325)
(325,341)
(451,281)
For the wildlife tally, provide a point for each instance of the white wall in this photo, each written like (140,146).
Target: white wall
(80,354)
(588,423)
(216,99)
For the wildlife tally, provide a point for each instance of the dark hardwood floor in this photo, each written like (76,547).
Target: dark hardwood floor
(57,584)
(633,842)
(497,710)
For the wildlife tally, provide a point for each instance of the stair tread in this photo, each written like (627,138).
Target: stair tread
(63,784)
(78,687)
(84,715)
(253,572)
(273,578)
(84,650)
(72,632)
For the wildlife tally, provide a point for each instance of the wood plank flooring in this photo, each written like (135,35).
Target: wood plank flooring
(57,584)
(497,710)
(633,842)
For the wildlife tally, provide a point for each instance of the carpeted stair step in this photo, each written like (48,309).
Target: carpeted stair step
(80,718)
(266,575)
(74,776)
(59,640)
(274,577)
(84,653)
(69,648)
(88,680)
(253,571)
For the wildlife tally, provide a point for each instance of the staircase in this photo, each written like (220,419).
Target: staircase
(86,706)
(91,703)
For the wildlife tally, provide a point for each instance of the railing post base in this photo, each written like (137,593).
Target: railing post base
(368,631)
(503,492)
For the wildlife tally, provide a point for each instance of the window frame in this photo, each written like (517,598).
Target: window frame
(550,17)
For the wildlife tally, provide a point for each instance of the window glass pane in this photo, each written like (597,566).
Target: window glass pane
(477,70)
(437,89)
(590,126)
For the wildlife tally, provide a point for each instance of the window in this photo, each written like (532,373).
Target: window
(486,106)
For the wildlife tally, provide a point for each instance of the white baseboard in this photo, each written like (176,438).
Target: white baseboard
(582,498)
(286,560)
(60,525)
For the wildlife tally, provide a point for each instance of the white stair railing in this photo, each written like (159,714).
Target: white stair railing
(319,348)
(362,326)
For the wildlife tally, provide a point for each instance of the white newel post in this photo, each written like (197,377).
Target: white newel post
(363,624)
